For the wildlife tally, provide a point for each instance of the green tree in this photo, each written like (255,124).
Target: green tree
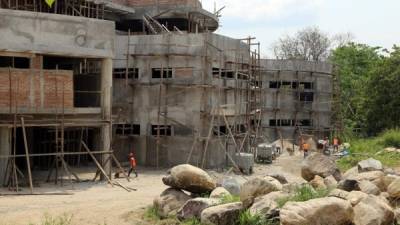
(354,64)
(382,104)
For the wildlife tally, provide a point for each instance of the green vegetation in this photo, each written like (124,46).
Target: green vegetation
(246,218)
(361,149)
(225,199)
(65,219)
(302,194)
(151,214)
(369,81)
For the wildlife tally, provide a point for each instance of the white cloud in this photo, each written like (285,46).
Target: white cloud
(261,9)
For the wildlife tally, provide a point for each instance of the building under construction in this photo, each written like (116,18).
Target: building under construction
(87,82)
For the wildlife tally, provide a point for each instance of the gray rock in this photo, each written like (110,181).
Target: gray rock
(394,188)
(319,211)
(219,192)
(330,182)
(373,211)
(169,202)
(257,187)
(189,178)
(280,177)
(231,184)
(194,207)
(226,214)
(369,165)
(266,205)
(368,187)
(321,165)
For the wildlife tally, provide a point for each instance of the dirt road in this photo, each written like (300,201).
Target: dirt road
(99,203)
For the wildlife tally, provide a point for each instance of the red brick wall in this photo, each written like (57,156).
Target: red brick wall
(26,81)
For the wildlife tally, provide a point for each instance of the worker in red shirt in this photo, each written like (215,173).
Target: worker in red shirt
(132,162)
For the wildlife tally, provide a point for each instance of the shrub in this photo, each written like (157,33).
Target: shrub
(302,194)
(246,218)
(151,213)
(225,199)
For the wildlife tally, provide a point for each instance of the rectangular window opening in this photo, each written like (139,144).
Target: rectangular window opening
(15,62)
(127,129)
(158,74)
(164,130)
(307,97)
(122,73)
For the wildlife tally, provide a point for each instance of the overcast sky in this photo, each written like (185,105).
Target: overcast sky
(374,22)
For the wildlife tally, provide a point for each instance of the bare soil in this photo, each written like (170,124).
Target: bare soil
(98,203)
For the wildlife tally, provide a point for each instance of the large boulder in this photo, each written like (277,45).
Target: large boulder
(369,165)
(397,215)
(318,182)
(350,173)
(280,177)
(321,165)
(329,210)
(372,210)
(189,178)
(349,185)
(266,205)
(219,192)
(387,180)
(330,182)
(371,176)
(394,188)
(368,187)
(226,214)
(194,207)
(169,202)
(257,187)
(231,184)
(355,197)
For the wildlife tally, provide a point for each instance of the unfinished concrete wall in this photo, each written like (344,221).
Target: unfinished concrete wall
(296,94)
(186,97)
(24,31)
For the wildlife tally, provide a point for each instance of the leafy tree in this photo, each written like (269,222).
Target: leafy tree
(382,103)
(354,63)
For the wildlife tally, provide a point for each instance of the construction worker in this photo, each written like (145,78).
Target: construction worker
(335,144)
(306,149)
(132,162)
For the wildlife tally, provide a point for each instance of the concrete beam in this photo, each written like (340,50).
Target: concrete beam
(43,33)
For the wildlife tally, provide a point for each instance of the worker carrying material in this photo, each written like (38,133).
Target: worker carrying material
(132,162)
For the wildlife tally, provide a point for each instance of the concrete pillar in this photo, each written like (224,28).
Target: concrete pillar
(106,87)
(5,149)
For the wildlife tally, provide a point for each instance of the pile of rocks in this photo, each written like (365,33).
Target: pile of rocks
(364,195)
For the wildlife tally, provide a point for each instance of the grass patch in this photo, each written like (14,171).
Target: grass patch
(246,218)
(151,214)
(193,221)
(302,194)
(225,199)
(362,149)
(64,219)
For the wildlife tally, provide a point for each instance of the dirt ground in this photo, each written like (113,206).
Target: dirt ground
(100,204)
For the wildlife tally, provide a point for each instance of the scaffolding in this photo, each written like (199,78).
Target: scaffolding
(64,140)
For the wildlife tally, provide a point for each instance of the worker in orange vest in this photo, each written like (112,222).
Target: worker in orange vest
(306,149)
(335,144)
(132,162)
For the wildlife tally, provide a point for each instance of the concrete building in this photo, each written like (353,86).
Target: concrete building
(148,76)
(182,93)
(55,90)
(297,99)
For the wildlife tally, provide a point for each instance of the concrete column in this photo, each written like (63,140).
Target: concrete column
(106,87)
(5,149)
